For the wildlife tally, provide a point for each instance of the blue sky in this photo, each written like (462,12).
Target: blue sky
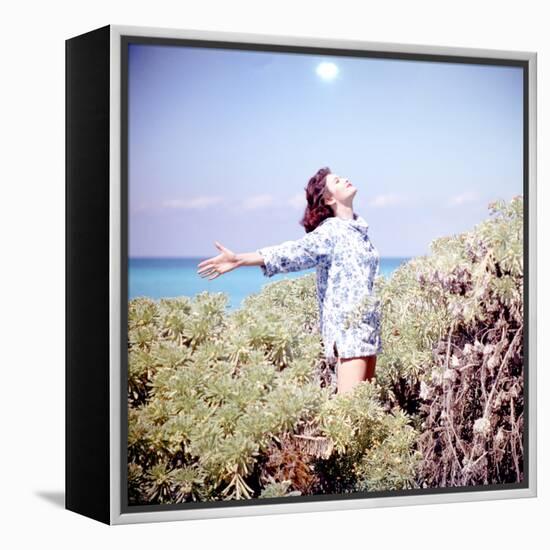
(222,143)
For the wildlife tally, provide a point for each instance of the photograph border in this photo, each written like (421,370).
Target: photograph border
(120,37)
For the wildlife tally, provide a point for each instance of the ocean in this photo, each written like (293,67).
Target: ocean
(170,277)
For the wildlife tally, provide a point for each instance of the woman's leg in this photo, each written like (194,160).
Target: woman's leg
(353,370)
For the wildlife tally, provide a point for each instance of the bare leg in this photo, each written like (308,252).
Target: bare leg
(350,372)
(353,370)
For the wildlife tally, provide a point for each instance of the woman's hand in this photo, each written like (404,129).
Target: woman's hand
(222,263)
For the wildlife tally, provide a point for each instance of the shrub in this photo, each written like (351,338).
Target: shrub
(231,405)
(453,351)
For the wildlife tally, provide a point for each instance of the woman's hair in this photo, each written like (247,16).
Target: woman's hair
(316,210)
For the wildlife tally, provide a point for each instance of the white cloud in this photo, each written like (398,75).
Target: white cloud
(192,203)
(258,201)
(469,196)
(297,201)
(381,201)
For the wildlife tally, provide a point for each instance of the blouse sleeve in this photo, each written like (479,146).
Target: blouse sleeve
(300,254)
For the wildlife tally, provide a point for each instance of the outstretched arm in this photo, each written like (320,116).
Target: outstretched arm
(226,261)
(296,255)
(288,256)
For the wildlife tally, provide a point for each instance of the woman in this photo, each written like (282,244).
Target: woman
(338,245)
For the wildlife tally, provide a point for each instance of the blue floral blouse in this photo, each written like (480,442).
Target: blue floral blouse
(347,263)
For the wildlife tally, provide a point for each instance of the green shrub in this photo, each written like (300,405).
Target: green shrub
(453,351)
(214,396)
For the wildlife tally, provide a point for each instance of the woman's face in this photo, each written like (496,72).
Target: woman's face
(339,189)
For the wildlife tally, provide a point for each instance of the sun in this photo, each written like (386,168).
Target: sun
(327,70)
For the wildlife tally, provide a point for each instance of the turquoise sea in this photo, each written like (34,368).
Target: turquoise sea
(171,277)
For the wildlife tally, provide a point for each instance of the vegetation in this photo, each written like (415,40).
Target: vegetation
(453,340)
(238,405)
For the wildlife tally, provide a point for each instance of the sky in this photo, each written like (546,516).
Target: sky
(222,142)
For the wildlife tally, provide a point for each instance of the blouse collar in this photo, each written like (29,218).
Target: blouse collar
(358,222)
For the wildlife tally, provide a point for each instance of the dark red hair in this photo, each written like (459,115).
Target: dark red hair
(316,210)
